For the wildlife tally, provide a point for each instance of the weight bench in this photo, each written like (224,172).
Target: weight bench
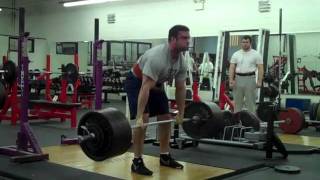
(48,110)
(86,99)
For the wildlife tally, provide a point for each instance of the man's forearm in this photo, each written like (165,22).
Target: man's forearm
(260,74)
(180,98)
(231,72)
(142,101)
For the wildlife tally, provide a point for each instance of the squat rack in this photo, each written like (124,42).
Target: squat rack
(27,148)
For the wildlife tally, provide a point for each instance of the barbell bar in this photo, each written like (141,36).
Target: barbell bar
(264,124)
(163,122)
(90,135)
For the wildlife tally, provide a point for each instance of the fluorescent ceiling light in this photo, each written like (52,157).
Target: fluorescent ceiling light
(86,2)
(0,9)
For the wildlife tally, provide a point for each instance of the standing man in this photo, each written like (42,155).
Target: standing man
(147,98)
(242,75)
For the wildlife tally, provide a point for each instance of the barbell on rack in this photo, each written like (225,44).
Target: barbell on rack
(9,70)
(290,121)
(69,72)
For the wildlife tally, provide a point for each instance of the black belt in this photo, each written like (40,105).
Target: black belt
(158,85)
(246,74)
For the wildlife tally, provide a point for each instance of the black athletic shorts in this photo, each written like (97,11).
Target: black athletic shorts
(158,101)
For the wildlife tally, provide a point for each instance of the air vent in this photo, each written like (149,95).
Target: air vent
(199,4)
(111,18)
(264,6)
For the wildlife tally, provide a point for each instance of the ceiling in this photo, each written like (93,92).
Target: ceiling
(37,3)
(38,6)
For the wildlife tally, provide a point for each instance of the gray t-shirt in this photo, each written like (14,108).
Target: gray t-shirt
(157,64)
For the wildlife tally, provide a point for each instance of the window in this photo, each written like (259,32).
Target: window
(67,48)
(13,44)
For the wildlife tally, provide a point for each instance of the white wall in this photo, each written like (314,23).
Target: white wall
(152,20)
(3,46)
(308,49)
(206,44)
(5,29)
(5,24)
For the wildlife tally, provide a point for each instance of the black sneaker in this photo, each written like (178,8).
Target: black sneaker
(139,168)
(167,160)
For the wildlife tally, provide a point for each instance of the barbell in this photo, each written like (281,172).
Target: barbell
(291,120)
(9,70)
(91,136)
(107,133)
(69,72)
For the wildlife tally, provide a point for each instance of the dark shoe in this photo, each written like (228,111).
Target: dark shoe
(167,160)
(139,168)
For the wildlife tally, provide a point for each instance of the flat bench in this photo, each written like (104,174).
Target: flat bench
(54,104)
(56,110)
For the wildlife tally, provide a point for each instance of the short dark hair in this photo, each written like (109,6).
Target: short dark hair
(174,31)
(247,37)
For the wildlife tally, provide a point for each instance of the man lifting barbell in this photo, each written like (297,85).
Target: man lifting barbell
(147,98)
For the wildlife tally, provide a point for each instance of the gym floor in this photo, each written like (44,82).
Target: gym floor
(202,162)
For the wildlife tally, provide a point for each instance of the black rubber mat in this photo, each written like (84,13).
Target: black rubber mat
(214,155)
(43,170)
(222,156)
(309,165)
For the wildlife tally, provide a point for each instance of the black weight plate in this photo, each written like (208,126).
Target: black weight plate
(112,134)
(266,91)
(3,95)
(274,91)
(314,111)
(317,112)
(214,125)
(311,111)
(230,119)
(71,73)
(249,119)
(262,110)
(210,116)
(10,74)
(192,128)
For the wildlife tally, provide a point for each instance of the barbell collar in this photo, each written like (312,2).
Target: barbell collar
(86,137)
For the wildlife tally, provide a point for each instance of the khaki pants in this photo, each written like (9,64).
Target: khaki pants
(244,93)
